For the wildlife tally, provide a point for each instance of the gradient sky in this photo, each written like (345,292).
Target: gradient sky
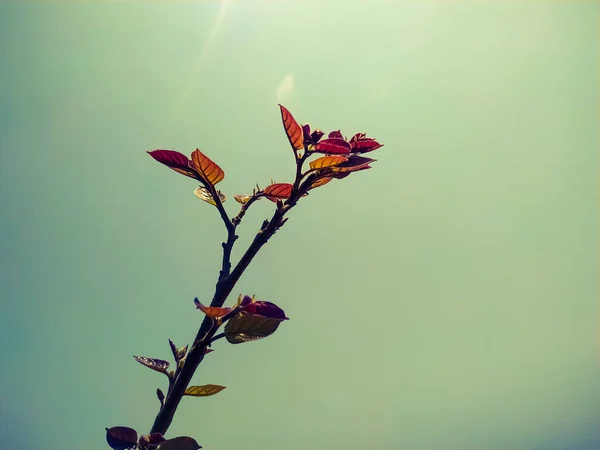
(446,299)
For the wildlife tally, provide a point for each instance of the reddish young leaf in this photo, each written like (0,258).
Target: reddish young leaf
(203,391)
(206,168)
(278,191)
(336,134)
(293,131)
(311,138)
(333,146)
(362,144)
(211,311)
(327,161)
(265,309)
(121,438)
(175,160)
(155,364)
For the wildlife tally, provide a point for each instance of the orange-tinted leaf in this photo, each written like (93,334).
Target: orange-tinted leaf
(179,443)
(211,311)
(333,146)
(121,438)
(327,161)
(203,391)
(320,182)
(278,191)
(292,129)
(203,194)
(243,199)
(175,160)
(210,171)
(155,364)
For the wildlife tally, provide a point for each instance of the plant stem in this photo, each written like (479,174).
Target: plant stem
(227,281)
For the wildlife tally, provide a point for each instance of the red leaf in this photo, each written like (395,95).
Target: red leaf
(362,144)
(335,134)
(327,161)
(278,191)
(292,129)
(208,170)
(175,160)
(121,438)
(265,309)
(333,146)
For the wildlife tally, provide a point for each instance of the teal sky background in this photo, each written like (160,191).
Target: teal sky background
(445,299)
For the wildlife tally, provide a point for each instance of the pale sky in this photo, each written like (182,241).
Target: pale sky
(446,299)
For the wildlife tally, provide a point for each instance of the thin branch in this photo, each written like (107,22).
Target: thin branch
(226,283)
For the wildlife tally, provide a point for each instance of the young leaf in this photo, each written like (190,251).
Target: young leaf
(354,164)
(327,161)
(242,199)
(203,391)
(161,396)
(151,441)
(175,160)
(179,443)
(211,311)
(362,144)
(121,438)
(210,172)
(203,194)
(278,190)
(333,146)
(320,182)
(155,364)
(292,129)
(249,327)
(265,309)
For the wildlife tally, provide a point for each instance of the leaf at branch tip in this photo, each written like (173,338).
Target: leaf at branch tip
(155,364)
(211,311)
(242,199)
(327,161)
(293,131)
(179,443)
(121,438)
(278,190)
(181,353)
(210,172)
(333,146)
(160,395)
(175,160)
(203,391)
(203,194)
(173,348)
